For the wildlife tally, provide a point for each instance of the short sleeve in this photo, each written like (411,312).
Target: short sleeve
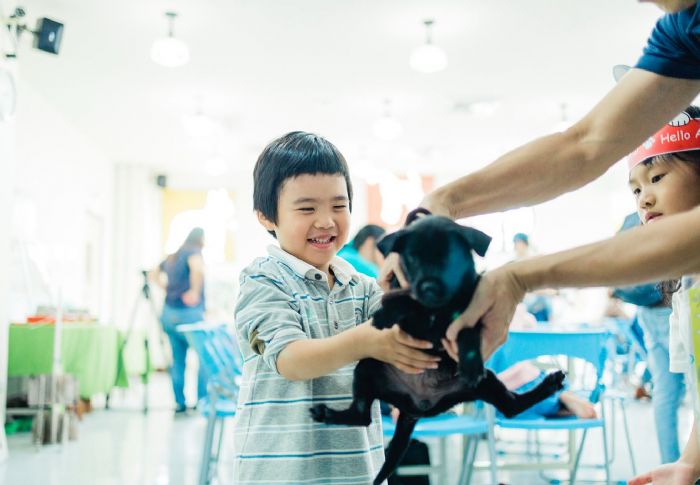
(678,355)
(267,317)
(670,50)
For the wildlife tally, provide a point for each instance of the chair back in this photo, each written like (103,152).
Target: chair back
(218,353)
(586,343)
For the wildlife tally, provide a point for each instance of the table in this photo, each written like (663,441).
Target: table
(89,351)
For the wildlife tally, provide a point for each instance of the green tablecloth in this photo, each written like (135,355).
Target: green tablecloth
(90,352)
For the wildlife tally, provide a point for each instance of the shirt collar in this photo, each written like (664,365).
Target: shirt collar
(344,272)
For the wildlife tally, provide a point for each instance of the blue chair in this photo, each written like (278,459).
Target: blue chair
(442,427)
(586,343)
(219,355)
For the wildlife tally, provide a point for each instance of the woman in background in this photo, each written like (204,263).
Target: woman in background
(184,303)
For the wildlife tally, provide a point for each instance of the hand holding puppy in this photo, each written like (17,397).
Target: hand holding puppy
(396,347)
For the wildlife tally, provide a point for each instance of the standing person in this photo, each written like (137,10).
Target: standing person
(538,303)
(362,252)
(653,312)
(303,322)
(664,81)
(184,303)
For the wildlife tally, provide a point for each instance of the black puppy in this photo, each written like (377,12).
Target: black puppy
(436,258)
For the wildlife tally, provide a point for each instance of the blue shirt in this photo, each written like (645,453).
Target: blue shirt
(673,49)
(178,271)
(350,254)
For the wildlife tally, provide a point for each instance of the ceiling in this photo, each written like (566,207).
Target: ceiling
(264,67)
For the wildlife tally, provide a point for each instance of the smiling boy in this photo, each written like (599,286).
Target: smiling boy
(303,322)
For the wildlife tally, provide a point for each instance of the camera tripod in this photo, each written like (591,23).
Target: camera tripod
(143,296)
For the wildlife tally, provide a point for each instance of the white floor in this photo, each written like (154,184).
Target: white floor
(123,445)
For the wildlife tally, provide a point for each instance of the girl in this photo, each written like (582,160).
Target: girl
(665,180)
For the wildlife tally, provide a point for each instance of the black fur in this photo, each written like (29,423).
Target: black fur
(436,258)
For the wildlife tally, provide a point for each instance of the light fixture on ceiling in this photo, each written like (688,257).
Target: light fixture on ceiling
(428,57)
(387,127)
(169,51)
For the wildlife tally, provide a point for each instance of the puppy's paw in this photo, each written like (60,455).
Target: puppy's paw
(554,381)
(322,414)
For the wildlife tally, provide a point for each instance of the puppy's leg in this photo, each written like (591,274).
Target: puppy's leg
(393,310)
(397,447)
(493,391)
(359,412)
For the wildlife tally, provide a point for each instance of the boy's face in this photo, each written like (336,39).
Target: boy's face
(313,217)
(664,188)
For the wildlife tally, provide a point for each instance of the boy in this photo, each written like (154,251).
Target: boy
(302,321)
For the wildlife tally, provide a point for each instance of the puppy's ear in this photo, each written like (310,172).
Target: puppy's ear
(478,241)
(392,243)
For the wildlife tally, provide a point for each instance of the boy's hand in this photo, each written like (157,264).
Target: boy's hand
(396,347)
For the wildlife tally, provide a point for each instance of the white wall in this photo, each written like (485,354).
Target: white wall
(7,167)
(63,212)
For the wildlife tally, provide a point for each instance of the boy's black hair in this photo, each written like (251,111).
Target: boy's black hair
(296,153)
(370,230)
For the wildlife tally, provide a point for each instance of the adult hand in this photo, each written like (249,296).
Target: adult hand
(190,298)
(396,347)
(494,302)
(677,473)
(391,268)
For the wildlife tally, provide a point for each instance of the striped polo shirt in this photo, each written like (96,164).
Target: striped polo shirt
(283,299)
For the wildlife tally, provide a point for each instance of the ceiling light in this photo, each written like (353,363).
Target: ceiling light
(169,51)
(428,58)
(387,127)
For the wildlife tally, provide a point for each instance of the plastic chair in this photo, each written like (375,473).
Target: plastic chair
(442,427)
(588,344)
(219,355)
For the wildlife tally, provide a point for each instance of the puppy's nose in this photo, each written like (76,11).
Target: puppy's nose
(430,290)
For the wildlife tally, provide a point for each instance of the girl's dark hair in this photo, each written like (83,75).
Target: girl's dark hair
(195,239)
(669,287)
(296,153)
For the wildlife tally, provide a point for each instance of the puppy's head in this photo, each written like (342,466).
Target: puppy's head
(436,257)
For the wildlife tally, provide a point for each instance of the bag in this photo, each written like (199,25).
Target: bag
(416,454)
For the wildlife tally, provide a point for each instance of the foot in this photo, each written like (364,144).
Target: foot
(578,406)
(322,414)
(180,409)
(553,382)
(641,393)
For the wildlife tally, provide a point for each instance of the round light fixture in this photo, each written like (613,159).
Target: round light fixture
(169,51)
(428,58)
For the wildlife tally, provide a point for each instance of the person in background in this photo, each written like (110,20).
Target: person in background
(653,314)
(538,303)
(362,252)
(184,303)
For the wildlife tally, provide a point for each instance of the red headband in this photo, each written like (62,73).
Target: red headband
(682,134)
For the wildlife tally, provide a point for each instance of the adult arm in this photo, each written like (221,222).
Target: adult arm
(192,296)
(662,250)
(632,111)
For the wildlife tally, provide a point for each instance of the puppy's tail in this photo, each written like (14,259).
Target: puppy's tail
(397,447)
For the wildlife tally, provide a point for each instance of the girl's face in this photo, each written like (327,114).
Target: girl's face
(313,218)
(663,188)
